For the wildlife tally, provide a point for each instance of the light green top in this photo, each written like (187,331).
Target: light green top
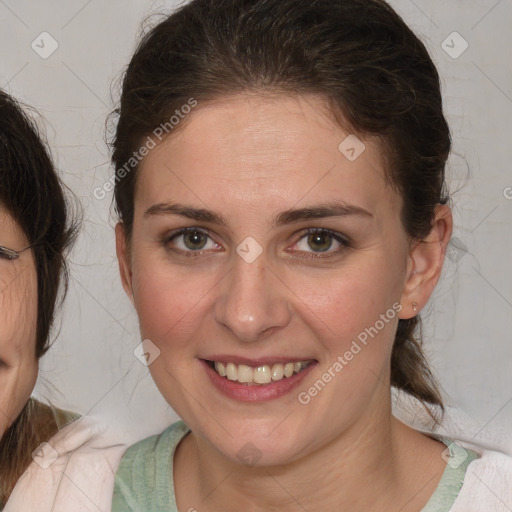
(144,480)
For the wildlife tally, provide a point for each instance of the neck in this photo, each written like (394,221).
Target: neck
(377,464)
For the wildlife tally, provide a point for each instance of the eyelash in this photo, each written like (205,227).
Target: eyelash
(342,240)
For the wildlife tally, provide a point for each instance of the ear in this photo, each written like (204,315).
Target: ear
(123,259)
(425,263)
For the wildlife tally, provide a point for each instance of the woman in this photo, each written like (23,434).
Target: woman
(283,221)
(35,231)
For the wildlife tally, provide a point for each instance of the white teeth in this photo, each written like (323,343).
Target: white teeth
(231,372)
(289,369)
(261,375)
(277,372)
(244,373)
(221,369)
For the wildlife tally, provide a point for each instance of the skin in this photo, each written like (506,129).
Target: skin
(248,158)
(18,318)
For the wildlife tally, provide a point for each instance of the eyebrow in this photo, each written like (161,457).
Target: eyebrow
(334,209)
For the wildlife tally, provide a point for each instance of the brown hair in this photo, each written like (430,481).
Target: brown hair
(32,193)
(357,54)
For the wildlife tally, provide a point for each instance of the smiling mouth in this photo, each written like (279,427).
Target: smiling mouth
(260,375)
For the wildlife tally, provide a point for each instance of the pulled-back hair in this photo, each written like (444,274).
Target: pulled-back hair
(373,71)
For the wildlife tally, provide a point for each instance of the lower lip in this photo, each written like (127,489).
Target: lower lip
(258,392)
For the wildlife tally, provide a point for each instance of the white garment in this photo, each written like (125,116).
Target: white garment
(488,482)
(75,472)
(81,479)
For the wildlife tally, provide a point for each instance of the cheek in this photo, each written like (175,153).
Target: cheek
(18,315)
(17,385)
(173,301)
(344,302)
(169,300)
(18,321)
(353,315)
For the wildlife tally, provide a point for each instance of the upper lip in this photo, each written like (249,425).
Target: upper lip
(261,361)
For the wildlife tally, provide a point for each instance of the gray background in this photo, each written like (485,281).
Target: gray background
(91,367)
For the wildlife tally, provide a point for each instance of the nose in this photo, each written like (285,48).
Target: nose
(252,301)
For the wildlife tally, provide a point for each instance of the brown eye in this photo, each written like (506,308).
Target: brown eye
(190,242)
(320,242)
(195,240)
(316,241)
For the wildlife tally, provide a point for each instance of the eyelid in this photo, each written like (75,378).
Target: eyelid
(183,231)
(342,239)
(335,234)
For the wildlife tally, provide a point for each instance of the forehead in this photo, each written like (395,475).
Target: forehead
(261,151)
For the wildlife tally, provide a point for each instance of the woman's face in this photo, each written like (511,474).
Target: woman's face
(18,319)
(247,284)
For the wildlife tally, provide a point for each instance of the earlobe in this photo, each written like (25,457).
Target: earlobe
(426,259)
(123,259)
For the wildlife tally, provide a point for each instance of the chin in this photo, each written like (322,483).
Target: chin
(254,444)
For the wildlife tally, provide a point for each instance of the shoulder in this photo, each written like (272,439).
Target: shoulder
(145,473)
(155,445)
(36,423)
(487,481)
(147,455)
(48,418)
(74,470)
